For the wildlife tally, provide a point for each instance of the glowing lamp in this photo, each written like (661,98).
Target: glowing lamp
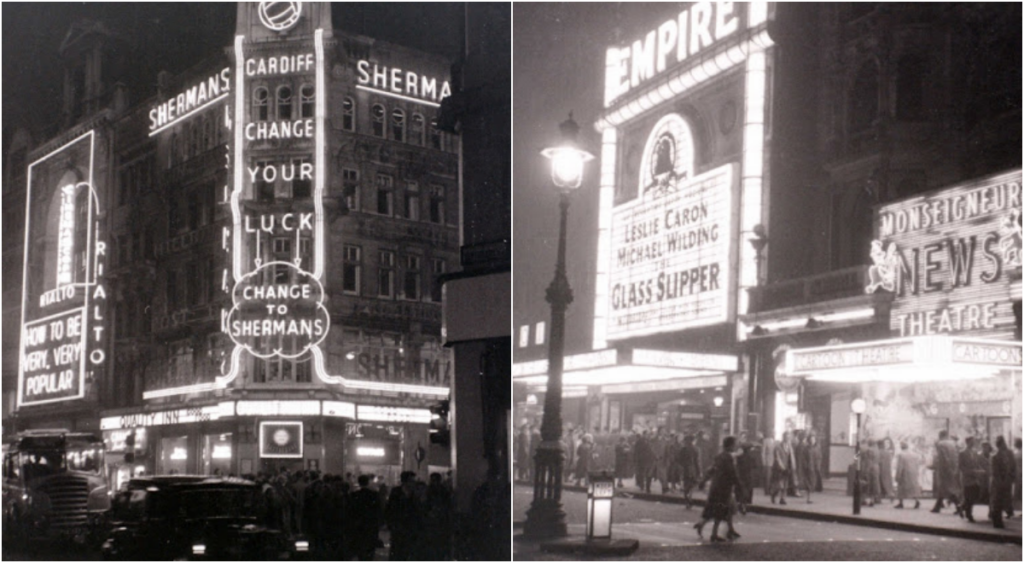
(858,406)
(719,401)
(567,159)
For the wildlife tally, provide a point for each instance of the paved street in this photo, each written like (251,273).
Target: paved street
(665,533)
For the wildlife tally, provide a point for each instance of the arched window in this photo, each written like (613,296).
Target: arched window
(284,102)
(259,104)
(308,100)
(348,114)
(398,124)
(910,87)
(416,129)
(862,101)
(377,115)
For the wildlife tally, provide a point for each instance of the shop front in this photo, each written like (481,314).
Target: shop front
(247,437)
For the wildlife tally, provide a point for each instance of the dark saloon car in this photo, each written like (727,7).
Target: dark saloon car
(192,517)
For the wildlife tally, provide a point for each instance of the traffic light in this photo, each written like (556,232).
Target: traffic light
(440,432)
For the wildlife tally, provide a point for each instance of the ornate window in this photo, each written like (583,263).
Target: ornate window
(260,98)
(398,124)
(308,100)
(284,102)
(416,129)
(348,114)
(377,114)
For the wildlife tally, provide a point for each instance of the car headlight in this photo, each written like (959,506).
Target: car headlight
(199,549)
(302,545)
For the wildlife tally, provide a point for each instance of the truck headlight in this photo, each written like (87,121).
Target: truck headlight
(199,549)
(302,545)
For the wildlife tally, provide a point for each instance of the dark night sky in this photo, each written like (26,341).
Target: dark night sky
(559,67)
(174,36)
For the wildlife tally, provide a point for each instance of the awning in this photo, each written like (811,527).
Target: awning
(906,360)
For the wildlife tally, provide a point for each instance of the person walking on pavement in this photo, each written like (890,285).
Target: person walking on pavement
(946,465)
(523,460)
(689,467)
(1016,486)
(767,460)
(404,516)
(660,447)
(623,451)
(1004,468)
(783,463)
(809,462)
(584,455)
(672,461)
(973,473)
(746,467)
(725,487)
(886,453)
(870,464)
(908,468)
(644,462)
(363,517)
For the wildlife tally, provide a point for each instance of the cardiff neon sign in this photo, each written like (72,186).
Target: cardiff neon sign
(63,300)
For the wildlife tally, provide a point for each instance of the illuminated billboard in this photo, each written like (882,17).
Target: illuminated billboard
(671,245)
(63,297)
(946,255)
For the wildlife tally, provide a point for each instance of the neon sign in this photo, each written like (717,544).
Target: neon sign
(279,16)
(281,439)
(63,303)
(402,84)
(194,99)
(944,255)
(693,30)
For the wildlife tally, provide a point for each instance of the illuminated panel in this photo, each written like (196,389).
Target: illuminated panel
(277,408)
(366,451)
(59,348)
(670,256)
(281,439)
(946,256)
(606,201)
(163,418)
(373,413)
(752,204)
(602,358)
(341,409)
(685,360)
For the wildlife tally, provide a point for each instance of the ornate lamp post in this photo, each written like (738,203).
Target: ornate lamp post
(857,406)
(546,519)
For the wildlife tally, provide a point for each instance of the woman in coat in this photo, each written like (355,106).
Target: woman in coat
(721,502)
(908,470)
(870,468)
(623,452)
(584,454)
(811,466)
(783,463)
(689,467)
(886,452)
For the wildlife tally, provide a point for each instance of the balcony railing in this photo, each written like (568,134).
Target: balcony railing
(837,284)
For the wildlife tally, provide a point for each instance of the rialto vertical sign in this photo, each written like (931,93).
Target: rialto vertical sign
(63,296)
(946,256)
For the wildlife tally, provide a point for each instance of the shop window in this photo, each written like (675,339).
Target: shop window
(411,278)
(398,124)
(385,188)
(348,114)
(377,115)
(412,201)
(284,102)
(218,453)
(416,129)
(260,107)
(862,101)
(352,269)
(386,274)
(350,179)
(308,99)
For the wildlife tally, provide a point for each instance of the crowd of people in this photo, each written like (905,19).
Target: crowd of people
(342,517)
(964,472)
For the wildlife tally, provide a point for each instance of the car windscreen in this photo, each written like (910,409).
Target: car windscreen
(40,463)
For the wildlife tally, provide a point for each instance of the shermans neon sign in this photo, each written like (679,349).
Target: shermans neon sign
(398,83)
(192,100)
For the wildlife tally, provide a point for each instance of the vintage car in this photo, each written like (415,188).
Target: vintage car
(193,517)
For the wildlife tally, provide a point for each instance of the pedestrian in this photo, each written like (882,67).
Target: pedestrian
(438,520)
(746,468)
(404,515)
(783,463)
(725,487)
(886,453)
(535,440)
(972,474)
(623,451)
(672,461)
(689,468)
(1004,468)
(584,455)
(870,472)
(707,451)
(569,445)
(1016,486)
(810,465)
(946,466)
(644,462)
(363,518)
(767,460)
(660,447)
(524,463)
(908,470)
(799,469)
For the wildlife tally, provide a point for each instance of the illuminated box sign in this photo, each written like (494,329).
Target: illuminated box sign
(403,84)
(374,451)
(670,255)
(692,31)
(115,440)
(190,101)
(63,307)
(945,256)
(281,439)
(393,414)
(976,352)
(277,408)
(164,418)
(872,355)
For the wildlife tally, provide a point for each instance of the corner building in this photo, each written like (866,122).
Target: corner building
(276,226)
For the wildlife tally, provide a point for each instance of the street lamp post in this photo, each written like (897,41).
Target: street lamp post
(545,518)
(857,406)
